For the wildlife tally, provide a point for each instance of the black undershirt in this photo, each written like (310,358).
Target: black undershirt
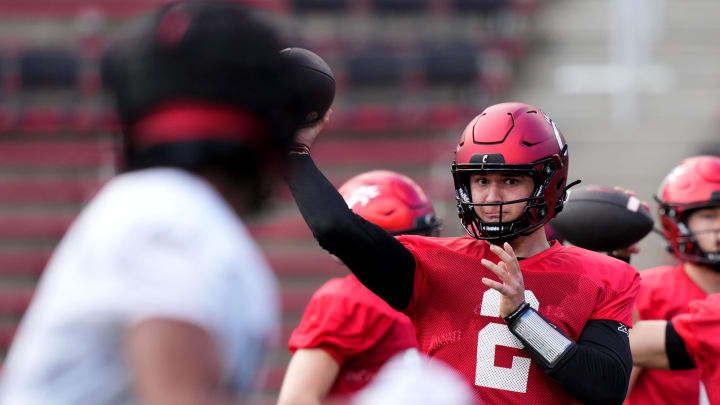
(676,351)
(596,372)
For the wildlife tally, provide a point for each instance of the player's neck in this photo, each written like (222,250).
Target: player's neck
(526,246)
(235,196)
(707,279)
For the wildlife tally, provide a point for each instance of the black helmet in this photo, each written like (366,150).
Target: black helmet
(215,68)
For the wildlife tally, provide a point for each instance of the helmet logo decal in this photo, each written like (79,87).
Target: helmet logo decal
(363,195)
(557,136)
(557,133)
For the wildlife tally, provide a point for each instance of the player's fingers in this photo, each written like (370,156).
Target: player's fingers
(499,271)
(494,285)
(507,257)
(512,264)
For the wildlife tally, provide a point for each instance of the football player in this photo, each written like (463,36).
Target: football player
(687,341)
(347,333)
(689,210)
(157,294)
(523,320)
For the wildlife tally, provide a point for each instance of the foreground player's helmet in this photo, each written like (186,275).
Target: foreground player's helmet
(202,84)
(392,201)
(518,138)
(692,185)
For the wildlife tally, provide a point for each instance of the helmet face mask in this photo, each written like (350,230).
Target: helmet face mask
(511,138)
(691,186)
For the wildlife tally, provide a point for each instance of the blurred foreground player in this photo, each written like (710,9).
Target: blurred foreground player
(347,333)
(157,294)
(553,329)
(689,209)
(688,340)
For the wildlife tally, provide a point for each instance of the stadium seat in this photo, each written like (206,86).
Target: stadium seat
(400,6)
(443,117)
(48,68)
(454,62)
(23,263)
(306,263)
(43,120)
(29,190)
(294,298)
(373,118)
(374,66)
(56,154)
(34,226)
(7,332)
(320,5)
(14,301)
(480,6)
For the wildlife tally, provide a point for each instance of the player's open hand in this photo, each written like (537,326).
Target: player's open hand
(306,136)
(507,269)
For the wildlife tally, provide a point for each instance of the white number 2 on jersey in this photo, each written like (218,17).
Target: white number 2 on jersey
(487,374)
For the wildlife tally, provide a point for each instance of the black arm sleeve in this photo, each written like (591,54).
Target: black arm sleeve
(379,261)
(676,351)
(598,369)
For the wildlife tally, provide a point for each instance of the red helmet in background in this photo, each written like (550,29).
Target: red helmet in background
(512,137)
(692,185)
(392,201)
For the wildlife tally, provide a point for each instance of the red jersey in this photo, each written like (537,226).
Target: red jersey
(700,330)
(457,318)
(665,292)
(354,326)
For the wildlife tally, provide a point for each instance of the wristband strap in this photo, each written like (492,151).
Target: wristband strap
(514,314)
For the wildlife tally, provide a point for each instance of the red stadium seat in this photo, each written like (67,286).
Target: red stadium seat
(47,190)
(14,302)
(294,299)
(384,152)
(43,120)
(56,154)
(34,226)
(25,263)
(7,332)
(314,262)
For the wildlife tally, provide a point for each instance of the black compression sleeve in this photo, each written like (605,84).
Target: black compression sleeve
(676,351)
(378,260)
(598,369)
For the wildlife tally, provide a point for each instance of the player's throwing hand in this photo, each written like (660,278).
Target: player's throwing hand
(512,287)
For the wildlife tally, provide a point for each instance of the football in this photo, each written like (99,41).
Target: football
(602,219)
(313,85)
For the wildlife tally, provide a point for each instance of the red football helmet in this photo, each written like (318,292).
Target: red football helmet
(392,201)
(512,137)
(694,184)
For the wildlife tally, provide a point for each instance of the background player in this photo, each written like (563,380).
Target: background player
(510,175)
(347,333)
(689,340)
(689,199)
(157,294)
